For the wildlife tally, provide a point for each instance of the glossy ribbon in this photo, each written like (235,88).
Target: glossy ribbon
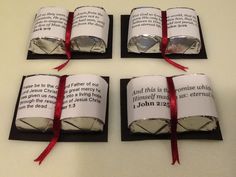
(173,113)
(56,122)
(67,41)
(164,43)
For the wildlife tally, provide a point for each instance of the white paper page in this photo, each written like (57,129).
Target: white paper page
(194,95)
(50,22)
(182,22)
(85,96)
(145,21)
(38,97)
(147,97)
(90,21)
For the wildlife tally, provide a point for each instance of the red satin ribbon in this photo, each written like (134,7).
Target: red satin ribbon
(173,113)
(56,122)
(164,43)
(67,41)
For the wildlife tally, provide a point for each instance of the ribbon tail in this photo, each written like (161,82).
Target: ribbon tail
(174,120)
(56,121)
(60,67)
(164,43)
(47,150)
(183,68)
(174,143)
(175,153)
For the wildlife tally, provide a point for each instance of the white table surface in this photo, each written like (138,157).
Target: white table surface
(116,158)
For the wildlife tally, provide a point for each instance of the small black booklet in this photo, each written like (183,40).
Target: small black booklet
(141,34)
(145,111)
(84,115)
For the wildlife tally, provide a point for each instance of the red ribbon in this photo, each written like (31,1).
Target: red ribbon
(56,122)
(67,41)
(173,113)
(164,43)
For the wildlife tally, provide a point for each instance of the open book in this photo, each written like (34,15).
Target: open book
(89,26)
(147,105)
(84,106)
(146,30)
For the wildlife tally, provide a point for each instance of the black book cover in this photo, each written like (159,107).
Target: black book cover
(16,134)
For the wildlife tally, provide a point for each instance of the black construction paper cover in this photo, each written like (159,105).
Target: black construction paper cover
(16,134)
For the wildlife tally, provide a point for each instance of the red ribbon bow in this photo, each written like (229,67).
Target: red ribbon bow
(56,122)
(173,113)
(67,41)
(164,43)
